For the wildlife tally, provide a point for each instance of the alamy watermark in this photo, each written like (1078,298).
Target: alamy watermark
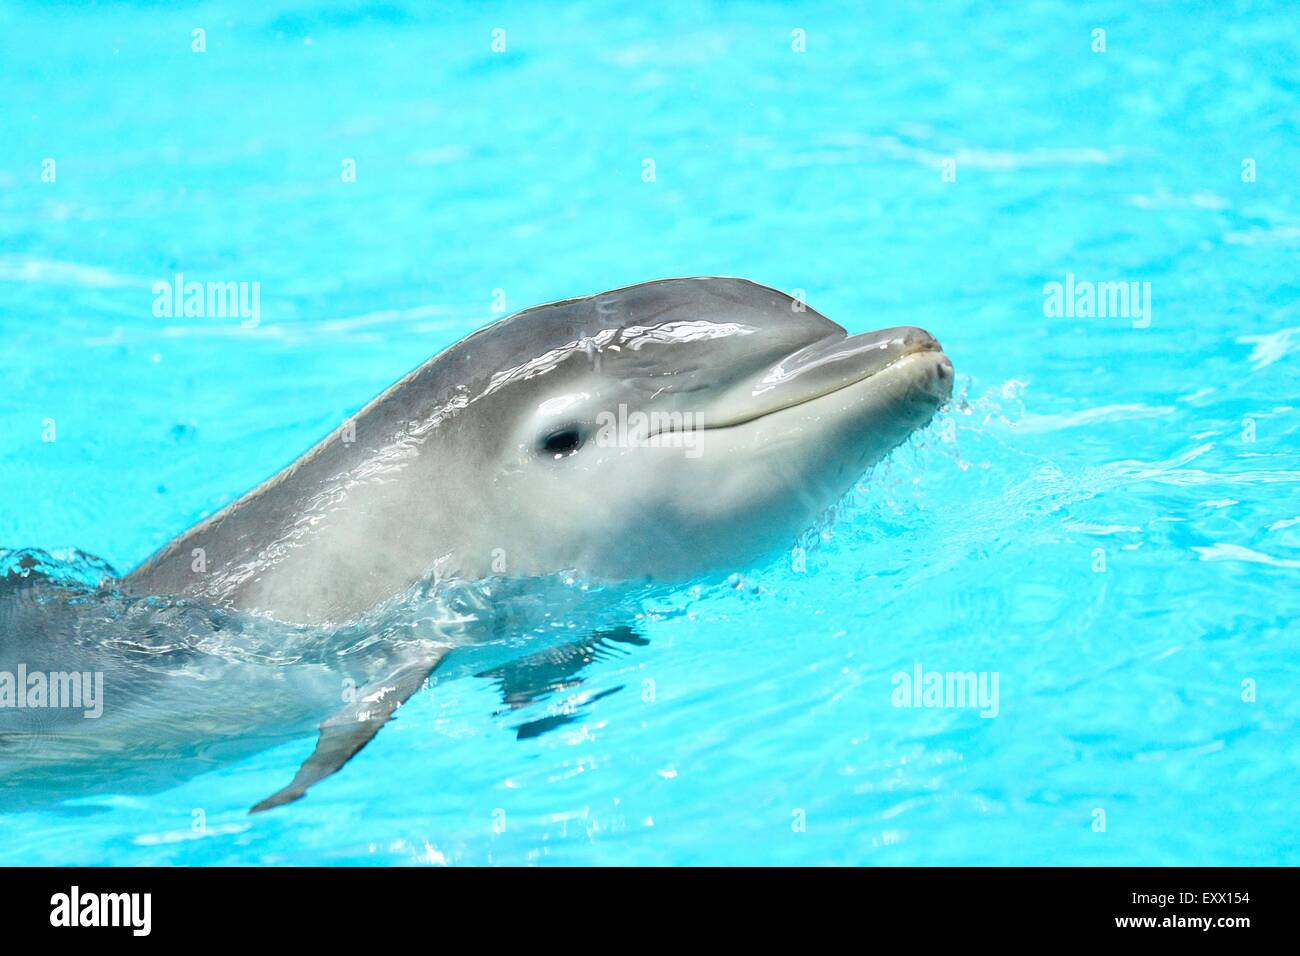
(922,688)
(208,300)
(637,429)
(1084,299)
(55,690)
(75,908)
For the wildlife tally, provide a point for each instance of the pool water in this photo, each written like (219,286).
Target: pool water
(1105,521)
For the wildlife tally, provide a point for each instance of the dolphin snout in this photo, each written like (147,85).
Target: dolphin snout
(833,363)
(943,373)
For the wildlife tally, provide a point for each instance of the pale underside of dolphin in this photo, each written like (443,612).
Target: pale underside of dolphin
(654,433)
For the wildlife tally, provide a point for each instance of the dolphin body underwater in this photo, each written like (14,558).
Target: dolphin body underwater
(653,434)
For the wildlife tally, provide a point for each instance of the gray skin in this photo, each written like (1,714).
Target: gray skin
(494,460)
(495,456)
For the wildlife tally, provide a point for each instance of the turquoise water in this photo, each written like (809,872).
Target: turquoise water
(1106,517)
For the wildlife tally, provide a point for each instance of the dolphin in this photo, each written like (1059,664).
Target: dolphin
(654,434)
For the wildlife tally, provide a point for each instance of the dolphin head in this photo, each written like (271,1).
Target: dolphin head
(660,432)
(669,429)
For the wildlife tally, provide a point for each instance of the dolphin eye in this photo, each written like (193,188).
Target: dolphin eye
(562,443)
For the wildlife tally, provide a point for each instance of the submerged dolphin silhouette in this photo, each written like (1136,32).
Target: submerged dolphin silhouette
(655,433)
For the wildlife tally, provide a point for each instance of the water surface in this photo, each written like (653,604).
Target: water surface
(1106,517)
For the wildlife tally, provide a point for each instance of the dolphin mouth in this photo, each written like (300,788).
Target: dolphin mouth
(831,365)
